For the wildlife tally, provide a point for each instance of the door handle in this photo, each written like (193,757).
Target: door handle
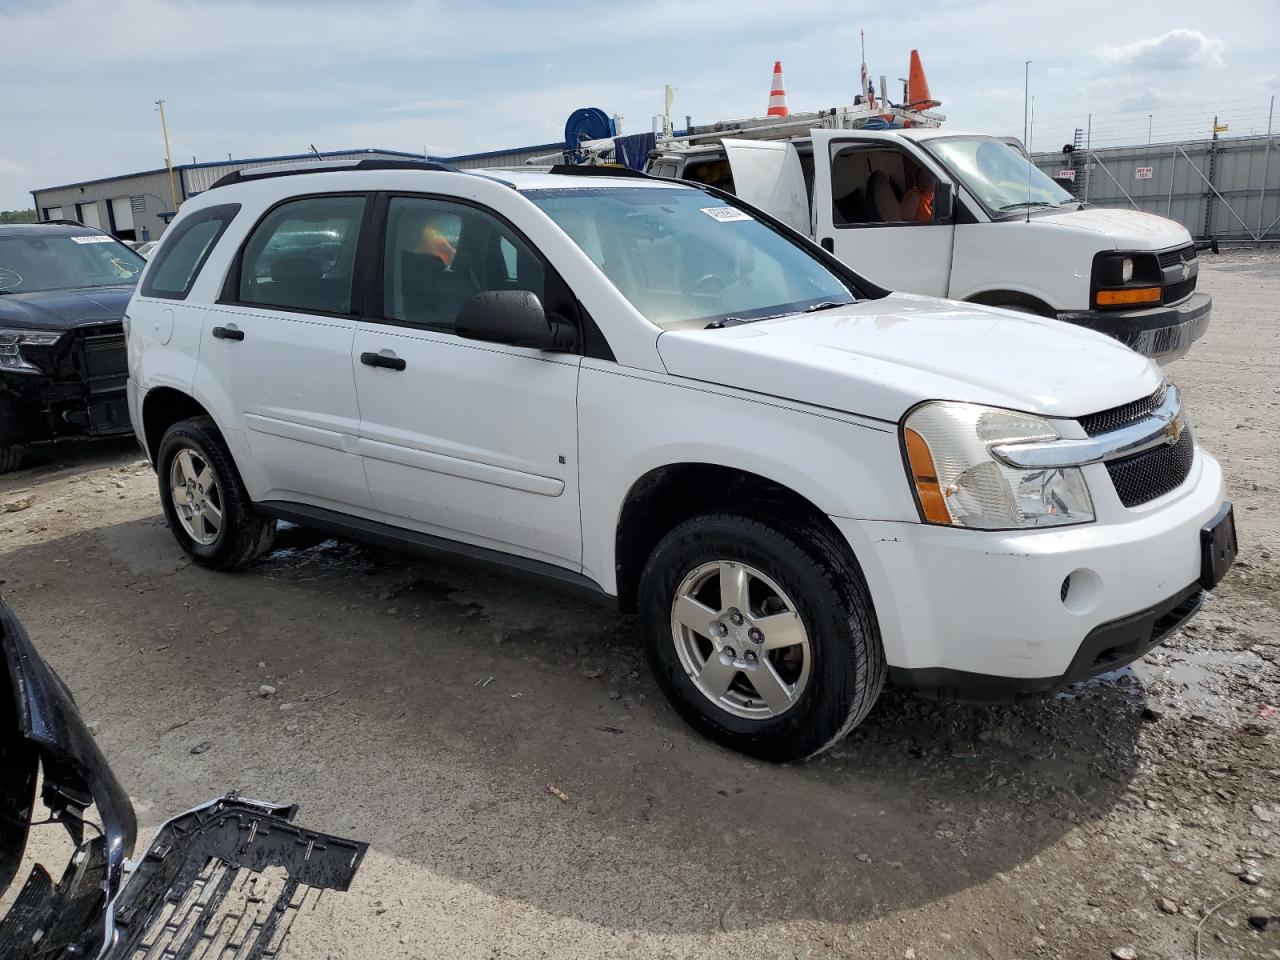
(391,362)
(228,333)
(828,245)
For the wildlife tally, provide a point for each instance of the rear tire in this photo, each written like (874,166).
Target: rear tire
(10,458)
(809,615)
(205,501)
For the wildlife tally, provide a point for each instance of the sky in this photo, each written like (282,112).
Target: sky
(266,77)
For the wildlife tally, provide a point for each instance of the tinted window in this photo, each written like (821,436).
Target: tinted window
(439,255)
(302,255)
(189,243)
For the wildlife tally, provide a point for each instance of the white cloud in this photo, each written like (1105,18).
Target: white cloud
(1176,50)
(1149,99)
(9,167)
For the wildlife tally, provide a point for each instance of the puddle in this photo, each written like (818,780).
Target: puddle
(1225,686)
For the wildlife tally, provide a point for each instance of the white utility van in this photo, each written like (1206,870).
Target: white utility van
(969,217)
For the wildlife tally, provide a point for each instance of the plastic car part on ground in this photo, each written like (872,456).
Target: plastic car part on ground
(225,878)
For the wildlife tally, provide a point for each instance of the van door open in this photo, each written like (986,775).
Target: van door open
(884,210)
(769,176)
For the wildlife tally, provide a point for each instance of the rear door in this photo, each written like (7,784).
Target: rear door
(466,440)
(870,197)
(768,175)
(275,356)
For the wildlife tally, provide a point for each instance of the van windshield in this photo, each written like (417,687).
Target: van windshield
(998,174)
(685,258)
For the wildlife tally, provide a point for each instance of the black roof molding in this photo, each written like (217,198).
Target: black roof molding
(334,166)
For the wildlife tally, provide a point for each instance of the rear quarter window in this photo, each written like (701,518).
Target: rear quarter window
(177,261)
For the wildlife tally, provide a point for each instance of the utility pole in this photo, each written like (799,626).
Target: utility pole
(1148,129)
(168,158)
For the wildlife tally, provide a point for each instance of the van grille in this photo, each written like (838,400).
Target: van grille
(1153,473)
(1170,257)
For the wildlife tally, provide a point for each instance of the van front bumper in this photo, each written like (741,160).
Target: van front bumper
(978,615)
(1162,333)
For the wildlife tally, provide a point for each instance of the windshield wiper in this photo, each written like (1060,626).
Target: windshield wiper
(1027,203)
(827,305)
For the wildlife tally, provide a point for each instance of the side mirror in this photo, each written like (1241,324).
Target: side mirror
(514,317)
(944,201)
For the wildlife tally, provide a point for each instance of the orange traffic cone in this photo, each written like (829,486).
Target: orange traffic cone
(918,97)
(778,94)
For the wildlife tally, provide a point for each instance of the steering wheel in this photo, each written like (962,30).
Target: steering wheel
(709,284)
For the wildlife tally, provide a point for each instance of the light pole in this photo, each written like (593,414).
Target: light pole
(168,158)
(1148,129)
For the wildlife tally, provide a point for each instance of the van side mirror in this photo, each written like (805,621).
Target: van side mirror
(514,317)
(944,201)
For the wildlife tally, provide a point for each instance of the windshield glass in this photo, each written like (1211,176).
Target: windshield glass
(62,262)
(998,174)
(682,257)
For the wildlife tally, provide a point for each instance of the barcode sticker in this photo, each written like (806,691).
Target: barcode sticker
(725,214)
(93,239)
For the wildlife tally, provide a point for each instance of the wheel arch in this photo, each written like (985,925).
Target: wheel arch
(162,407)
(667,495)
(1016,299)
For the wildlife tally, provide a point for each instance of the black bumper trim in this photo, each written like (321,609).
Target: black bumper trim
(1108,646)
(1162,333)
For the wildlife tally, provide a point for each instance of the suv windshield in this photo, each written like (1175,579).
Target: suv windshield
(65,261)
(684,258)
(998,174)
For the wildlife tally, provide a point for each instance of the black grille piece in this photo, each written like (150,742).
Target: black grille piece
(1173,292)
(1153,473)
(1170,257)
(1117,417)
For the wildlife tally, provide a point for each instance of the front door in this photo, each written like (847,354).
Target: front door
(276,358)
(874,209)
(467,440)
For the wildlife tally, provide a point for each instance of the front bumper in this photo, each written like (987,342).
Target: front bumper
(982,615)
(1162,333)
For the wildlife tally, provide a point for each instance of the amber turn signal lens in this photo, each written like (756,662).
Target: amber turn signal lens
(925,476)
(1113,298)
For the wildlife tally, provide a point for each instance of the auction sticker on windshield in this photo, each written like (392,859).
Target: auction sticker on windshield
(725,214)
(94,239)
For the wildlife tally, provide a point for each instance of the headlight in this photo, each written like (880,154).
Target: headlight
(959,482)
(1126,270)
(12,342)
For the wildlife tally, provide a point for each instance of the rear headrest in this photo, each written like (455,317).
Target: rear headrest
(295,270)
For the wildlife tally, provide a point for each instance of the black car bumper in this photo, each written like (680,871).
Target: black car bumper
(1162,333)
(1108,646)
(78,387)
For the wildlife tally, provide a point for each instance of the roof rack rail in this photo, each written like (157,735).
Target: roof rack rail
(64,221)
(330,166)
(583,170)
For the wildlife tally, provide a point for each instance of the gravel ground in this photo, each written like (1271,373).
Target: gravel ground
(1114,816)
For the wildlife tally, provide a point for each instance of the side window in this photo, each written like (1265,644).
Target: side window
(178,260)
(879,186)
(302,255)
(440,254)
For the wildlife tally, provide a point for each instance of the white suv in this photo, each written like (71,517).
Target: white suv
(653,392)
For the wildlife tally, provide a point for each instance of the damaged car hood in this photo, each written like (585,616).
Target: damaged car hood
(63,309)
(878,358)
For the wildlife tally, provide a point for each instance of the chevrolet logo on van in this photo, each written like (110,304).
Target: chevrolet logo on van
(1186,271)
(1173,430)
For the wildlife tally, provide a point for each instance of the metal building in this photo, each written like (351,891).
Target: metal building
(138,206)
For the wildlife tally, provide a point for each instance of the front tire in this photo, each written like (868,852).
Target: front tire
(10,457)
(205,501)
(761,633)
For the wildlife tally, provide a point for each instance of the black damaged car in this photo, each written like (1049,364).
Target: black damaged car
(63,293)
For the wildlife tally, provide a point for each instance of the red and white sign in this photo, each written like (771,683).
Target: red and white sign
(1142,173)
(1065,175)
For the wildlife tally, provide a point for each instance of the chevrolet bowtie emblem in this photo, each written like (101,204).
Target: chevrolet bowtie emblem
(1173,430)
(1186,271)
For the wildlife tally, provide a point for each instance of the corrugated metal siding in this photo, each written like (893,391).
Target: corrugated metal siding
(198,179)
(1238,169)
(514,158)
(148,195)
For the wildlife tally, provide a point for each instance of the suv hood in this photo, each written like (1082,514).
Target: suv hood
(63,309)
(878,358)
(1130,229)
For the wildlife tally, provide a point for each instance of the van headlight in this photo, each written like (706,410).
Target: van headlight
(959,482)
(12,342)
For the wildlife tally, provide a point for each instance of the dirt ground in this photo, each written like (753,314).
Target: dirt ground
(427,708)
